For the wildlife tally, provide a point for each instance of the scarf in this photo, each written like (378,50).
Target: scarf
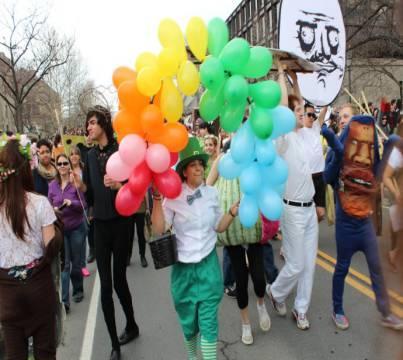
(47,174)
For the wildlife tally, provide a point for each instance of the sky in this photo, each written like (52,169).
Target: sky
(110,33)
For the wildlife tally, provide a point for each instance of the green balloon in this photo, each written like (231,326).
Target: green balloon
(236,90)
(266,94)
(218,36)
(259,63)
(231,117)
(261,122)
(211,104)
(235,55)
(212,73)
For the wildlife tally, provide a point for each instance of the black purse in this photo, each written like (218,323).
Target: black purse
(164,250)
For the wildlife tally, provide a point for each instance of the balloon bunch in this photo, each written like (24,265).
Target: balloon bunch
(262,173)
(228,92)
(150,105)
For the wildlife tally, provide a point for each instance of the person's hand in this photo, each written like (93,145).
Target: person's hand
(234,209)
(292,75)
(67,202)
(75,179)
(110,183)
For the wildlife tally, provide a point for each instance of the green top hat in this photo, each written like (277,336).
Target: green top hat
(192,151)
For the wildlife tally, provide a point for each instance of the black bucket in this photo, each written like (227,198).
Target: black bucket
(164,251)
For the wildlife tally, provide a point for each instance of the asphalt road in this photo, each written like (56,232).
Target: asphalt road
(86,336)
(161,337)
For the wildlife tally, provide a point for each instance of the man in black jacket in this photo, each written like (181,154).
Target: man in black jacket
(111,230)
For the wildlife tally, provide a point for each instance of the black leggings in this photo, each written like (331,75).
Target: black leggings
(112,238)
(256,269)
(139,221)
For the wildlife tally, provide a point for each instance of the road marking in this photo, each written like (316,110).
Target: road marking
(89,333)
(395,296)
(358,286)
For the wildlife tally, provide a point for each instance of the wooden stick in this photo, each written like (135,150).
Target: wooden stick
(366,102)
(356,102)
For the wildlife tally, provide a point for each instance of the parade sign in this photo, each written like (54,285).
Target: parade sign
(315,31)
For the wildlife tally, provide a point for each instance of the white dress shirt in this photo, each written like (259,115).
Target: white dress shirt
(194,225)
(313,147)
(395,160)
(299,186)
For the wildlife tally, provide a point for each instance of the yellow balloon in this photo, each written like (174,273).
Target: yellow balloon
(170,34)
(145,59)
(197,37)
(188,78)
(171,101)
(149,80)
(168,62)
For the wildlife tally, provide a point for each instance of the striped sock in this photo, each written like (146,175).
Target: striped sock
(209,349)
(191,347)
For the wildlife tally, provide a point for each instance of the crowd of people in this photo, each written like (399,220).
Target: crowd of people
(57,212)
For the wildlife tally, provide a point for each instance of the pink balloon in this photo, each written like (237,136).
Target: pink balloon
(140,179)
(126,202)
(132,150)
(158,158)
(174,159)
(117,169)
(168,183)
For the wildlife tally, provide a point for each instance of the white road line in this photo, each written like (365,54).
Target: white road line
(89,333)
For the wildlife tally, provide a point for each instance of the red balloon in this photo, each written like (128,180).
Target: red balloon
(140,178)
(126,202)
(174,159)
(168,183)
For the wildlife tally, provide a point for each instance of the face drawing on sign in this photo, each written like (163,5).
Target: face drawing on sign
(318,37)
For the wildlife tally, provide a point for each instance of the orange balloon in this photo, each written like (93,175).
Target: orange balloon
(151,120)
(175,137)
(125,123)
(157,98)
(122,74)
(130,98)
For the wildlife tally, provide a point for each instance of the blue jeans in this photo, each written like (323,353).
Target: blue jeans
(229,277)
(270,268)
(83,260)
(73,244)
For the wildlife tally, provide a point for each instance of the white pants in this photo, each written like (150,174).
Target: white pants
(299,226)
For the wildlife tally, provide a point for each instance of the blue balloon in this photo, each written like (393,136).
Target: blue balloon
(265,151)
(250,179)
(243,145)
(279,189)
(276,173)
(270,204)
(248,211)
(283,121)
(228,168)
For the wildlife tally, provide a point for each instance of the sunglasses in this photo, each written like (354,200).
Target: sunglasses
(64,163)
(310,114)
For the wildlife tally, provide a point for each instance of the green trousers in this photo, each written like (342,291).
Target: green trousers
(197,290)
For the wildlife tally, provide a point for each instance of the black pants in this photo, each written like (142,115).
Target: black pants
(112,239)
(256,269)
(137,220)
(90,236)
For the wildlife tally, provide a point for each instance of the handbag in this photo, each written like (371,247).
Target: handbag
(164,250)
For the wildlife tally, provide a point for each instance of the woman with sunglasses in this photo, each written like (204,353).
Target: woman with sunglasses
(69,201)
(77,167)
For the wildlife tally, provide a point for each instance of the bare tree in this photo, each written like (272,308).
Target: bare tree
(69,81)
(29,50)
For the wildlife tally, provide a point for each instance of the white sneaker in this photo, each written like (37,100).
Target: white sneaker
(301,319)
(247,337)
(264,318)
(279,307)
(392,322)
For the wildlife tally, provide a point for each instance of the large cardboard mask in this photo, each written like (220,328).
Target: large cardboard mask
(357,180)
(315,31)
